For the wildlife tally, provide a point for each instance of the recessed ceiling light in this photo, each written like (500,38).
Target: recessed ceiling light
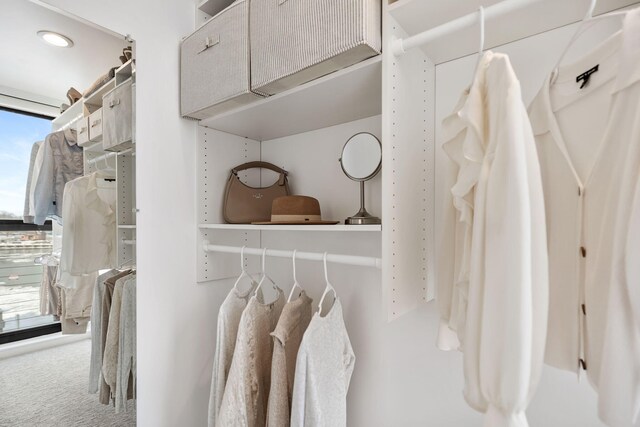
(55,39)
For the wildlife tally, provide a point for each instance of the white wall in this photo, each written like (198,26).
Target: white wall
(400,378)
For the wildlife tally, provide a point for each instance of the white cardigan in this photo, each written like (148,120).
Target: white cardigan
(493,281)
(588,142)
(619,379)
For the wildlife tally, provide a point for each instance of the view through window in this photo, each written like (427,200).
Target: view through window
(20,244)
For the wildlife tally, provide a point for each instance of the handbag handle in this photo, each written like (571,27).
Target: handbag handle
(258,164)
(262,165)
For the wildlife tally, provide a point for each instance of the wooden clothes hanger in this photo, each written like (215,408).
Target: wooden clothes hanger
(328,288)
(243,273)
(295,280)
(586,23)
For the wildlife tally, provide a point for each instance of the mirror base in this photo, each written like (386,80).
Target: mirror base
(371,220)
(363,218)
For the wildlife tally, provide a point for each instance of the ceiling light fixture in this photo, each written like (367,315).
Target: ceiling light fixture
(55,39)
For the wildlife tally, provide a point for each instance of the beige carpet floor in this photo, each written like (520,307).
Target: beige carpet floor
(49,388)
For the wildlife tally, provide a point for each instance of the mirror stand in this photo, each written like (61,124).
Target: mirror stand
(362,217)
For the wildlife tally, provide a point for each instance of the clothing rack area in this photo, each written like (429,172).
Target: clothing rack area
(92,206)
(402,97)
(433,46)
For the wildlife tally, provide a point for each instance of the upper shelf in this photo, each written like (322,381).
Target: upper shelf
(415,16)
(69,114)
(95,99)
(250,227)
(346,95)
(125,72)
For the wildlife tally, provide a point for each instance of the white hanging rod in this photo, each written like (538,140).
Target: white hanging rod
(363,261)
(101,158)
(108,156)
(401,46)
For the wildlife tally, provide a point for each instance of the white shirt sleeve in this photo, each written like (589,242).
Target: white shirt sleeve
(68,231)
(43,183)
(219,377)
(506,320)
(632,257)
(299,391)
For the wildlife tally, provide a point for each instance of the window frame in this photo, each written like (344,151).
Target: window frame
(9,224)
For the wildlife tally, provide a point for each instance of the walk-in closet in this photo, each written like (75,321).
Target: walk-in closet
(356,213)
(68,249)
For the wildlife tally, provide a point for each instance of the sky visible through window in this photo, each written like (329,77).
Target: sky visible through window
(18,133)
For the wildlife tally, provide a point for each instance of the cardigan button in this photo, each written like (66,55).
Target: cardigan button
(583,364)
(583,251)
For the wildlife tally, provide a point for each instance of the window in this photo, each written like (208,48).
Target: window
(20,244)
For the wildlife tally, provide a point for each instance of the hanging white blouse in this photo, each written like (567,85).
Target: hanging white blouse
(89,234)
(493,283)
(618,381)
(583,136)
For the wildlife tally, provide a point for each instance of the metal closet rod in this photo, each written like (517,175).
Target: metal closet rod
(363,261)
(108,156)
(128,242)
(401,46)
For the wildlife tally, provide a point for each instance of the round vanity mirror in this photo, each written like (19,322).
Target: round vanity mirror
(361,157)
(361,160)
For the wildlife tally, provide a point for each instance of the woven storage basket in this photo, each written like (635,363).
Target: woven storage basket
(295,41)
(214,64)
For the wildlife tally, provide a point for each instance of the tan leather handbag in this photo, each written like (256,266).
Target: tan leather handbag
(244,204)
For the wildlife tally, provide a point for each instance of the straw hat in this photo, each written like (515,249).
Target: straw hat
(294,210)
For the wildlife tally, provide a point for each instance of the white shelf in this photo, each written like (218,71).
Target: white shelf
(131,227)
(93,147)
(251,227)
(415,16)
(212,7)
(346,95)
(125,71)
(70,114)
(95,99)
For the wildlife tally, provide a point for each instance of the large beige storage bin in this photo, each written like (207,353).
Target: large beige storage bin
(295,41)
(117,118)
(214,64)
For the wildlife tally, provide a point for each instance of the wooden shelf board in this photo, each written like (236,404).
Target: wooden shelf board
(346,95)
(415,16)
(251,227)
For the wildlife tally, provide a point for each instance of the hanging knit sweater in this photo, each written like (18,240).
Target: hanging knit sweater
(246,394)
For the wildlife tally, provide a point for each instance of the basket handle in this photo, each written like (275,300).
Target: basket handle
(211,41)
